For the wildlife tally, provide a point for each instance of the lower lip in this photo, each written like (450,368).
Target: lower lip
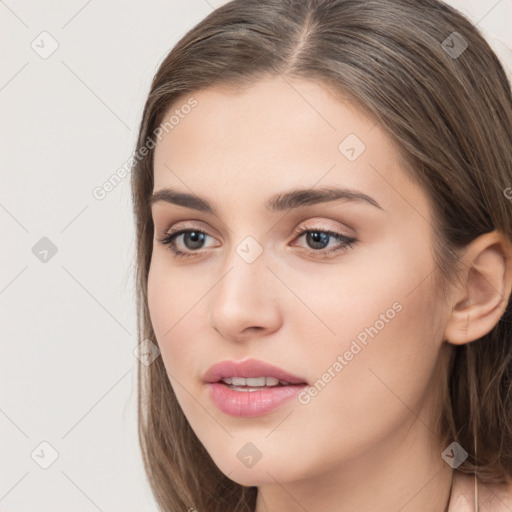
(251,403)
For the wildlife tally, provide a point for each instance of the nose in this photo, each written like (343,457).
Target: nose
(245,302)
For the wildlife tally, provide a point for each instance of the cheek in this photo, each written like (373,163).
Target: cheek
(176,309)
(379,362)
(364,293)
(378,306)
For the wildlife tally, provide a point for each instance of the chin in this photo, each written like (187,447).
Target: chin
(265,471)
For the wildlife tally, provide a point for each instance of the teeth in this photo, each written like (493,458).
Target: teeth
(254,381)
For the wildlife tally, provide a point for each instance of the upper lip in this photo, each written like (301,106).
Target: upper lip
(249,368)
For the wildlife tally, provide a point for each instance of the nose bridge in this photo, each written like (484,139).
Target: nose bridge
(243,296)
(245,271)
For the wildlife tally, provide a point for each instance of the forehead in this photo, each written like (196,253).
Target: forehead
(278,133)
(274,117)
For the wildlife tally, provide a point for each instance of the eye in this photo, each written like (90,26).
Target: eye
(317,238)
(192,238)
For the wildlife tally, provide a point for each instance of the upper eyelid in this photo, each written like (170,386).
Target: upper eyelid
(316,222)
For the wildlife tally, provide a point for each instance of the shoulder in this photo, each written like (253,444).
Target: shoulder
(491,497)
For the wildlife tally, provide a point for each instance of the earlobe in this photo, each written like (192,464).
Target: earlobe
(483,292)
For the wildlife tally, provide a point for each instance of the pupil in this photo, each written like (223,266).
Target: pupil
(193,236)
(318,238)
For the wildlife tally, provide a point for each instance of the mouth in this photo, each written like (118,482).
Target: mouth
(255,383)
(250,388)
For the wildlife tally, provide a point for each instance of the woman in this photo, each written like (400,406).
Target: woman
(324,242)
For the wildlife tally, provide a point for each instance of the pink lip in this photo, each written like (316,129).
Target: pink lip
(250,403)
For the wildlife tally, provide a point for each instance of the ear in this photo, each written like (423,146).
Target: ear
(482,295)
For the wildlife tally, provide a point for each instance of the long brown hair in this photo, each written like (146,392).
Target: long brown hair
(440,92)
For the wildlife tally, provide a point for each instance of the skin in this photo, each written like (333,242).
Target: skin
(367,441)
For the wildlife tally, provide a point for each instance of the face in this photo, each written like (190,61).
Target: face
(338,293)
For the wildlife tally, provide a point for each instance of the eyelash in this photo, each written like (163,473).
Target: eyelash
(347,242)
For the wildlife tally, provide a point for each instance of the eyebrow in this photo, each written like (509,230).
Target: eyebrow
(279,202)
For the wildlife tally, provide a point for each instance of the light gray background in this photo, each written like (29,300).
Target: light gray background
(68,122)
